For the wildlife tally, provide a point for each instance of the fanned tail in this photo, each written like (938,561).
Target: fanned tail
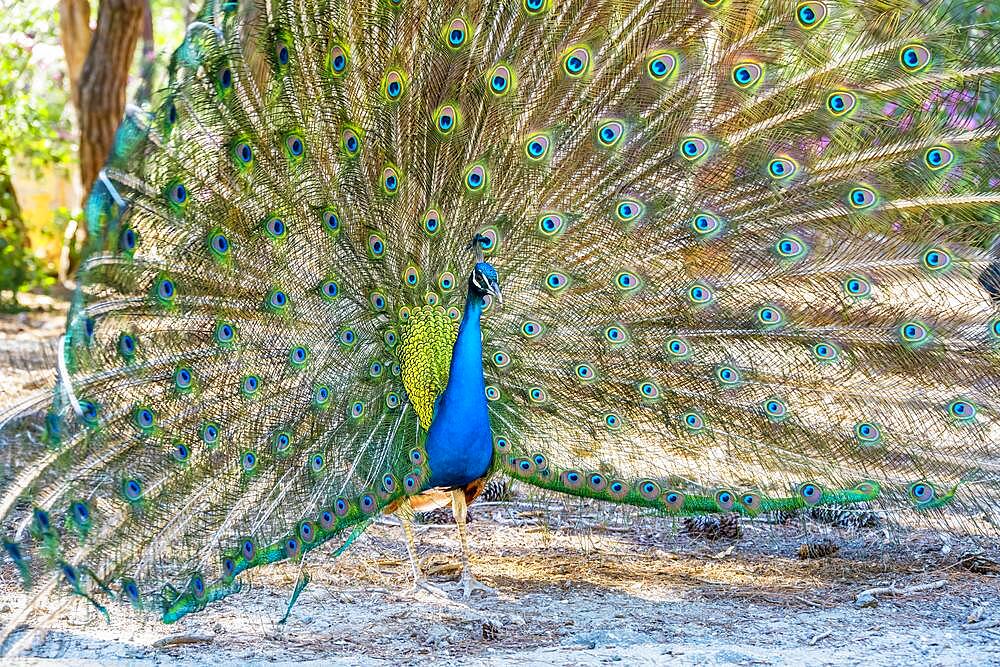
(757,275)
(743,248)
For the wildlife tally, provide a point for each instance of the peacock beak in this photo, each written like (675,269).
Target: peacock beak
(494,289)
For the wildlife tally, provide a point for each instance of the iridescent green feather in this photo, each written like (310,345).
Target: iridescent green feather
(740,246)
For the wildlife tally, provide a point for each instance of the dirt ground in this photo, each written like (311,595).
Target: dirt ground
(574,586)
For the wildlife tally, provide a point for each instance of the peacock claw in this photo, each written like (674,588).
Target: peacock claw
(469,584)
(423,585)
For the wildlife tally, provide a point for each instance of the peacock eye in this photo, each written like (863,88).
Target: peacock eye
(126,346)
(677,347)
(576,62)
(629,210)
(390,181)
(536,147)
(298,356)
(936,259)
(790,247)
(706,225)
(840,103)
(610,133)
(769,316)
(825,351)
(810,14)
(857,287)
(338,60)
(556,281)
(294,145)
(700,294)
(446,119)
(220,244)
(351,142)
(775,408)
(457,33)
(747,74)
(331,221)
(913,332)
(500,80)
(475,179)
(225,78)
(938,157)
(862,197)
(661,65)
(693,148)
(275,228)
(867,433)
(781,168)
(626,280)
(962,410)
(914,57)
(178,194)
(376,245)
(278,299)
(534,6)
(244,152)
(393,85)
(127,239)
(550,224)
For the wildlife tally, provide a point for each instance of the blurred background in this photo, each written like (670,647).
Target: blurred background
(67,68)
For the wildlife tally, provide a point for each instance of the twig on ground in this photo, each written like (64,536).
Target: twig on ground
(822,635)
(178,640)
(982,625)
(908,590)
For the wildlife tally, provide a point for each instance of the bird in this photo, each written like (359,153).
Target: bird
(696,257)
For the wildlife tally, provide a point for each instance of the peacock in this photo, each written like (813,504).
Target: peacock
(687,256)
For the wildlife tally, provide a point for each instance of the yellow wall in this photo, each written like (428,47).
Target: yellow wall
(42,193)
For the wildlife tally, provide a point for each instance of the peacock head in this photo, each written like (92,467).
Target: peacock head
(484,279)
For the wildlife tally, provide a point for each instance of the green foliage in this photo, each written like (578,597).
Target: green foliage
(14,258)
(34,96)
(34,128)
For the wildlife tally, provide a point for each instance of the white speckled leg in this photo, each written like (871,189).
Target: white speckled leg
(468,582)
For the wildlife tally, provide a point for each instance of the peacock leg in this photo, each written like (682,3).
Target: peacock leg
(405,513)
(468,582)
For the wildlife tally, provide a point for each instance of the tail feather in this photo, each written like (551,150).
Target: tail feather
(742,248)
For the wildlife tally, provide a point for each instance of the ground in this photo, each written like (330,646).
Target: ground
(575,586)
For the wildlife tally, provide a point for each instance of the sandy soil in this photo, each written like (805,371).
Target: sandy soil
(575,586)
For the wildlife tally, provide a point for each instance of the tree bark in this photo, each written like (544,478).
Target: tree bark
(103,81)
(148,65)
(75,35)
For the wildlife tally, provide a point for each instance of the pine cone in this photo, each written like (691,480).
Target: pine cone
(713,527)
(822,549)
(496,491)
(844,517)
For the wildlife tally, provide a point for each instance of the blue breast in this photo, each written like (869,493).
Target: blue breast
(460,440)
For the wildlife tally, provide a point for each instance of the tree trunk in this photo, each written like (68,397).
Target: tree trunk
(75,35)
(103,81)
(147,66)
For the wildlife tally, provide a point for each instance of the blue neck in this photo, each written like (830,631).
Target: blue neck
(467,359)
(460,440)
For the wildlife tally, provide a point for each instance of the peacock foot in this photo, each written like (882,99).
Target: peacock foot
(469,584)
(422,585)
